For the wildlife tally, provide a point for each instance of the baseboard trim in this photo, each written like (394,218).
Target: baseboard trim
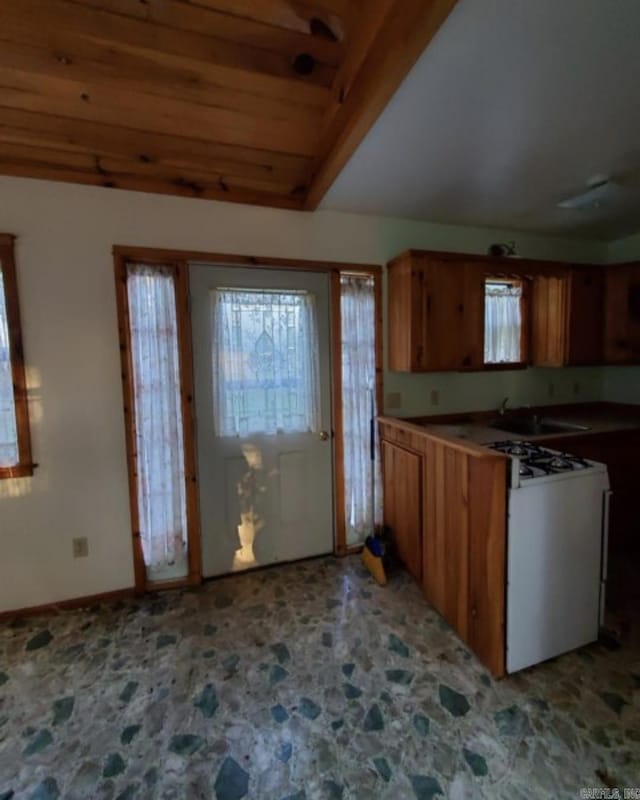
(69,605)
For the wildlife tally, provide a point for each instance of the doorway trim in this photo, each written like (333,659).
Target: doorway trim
(179,260)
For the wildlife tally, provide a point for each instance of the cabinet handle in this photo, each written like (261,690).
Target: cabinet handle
(474,612)
(461,308)
(466,361)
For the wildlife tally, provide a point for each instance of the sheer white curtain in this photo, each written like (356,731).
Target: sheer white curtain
(363,486)
(502,323)
(158,418)
(265,370)
(8,432)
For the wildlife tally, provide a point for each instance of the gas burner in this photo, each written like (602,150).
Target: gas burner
(560,463)
(555,462)
(517,448)
(533,461)
(576,461)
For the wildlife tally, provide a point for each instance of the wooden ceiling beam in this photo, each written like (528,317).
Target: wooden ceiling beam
(93,175)
(18,20)
(200,97)
(292,14)
(403,34)
(98,140)
(100,65)
(247,32)
(130,62)
(143,112)
(109,168)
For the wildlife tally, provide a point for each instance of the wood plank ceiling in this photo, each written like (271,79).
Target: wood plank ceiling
(254,101)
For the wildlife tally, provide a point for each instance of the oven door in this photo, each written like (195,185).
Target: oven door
(554,566)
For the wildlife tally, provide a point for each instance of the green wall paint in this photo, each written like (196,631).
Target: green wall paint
(627,249)
(481,391)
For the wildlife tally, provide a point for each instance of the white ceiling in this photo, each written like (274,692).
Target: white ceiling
(514,105)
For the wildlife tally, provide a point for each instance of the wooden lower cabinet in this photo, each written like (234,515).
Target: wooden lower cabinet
(403,504)
(445,504)
(619,451)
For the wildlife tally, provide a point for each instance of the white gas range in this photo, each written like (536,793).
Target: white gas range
(558,512)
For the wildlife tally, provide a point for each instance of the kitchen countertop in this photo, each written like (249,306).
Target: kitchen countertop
(599,418)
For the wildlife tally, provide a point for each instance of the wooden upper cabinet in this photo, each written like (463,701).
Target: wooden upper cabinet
(622,314)
(436,314)
(585,326)
(549,320)
(567,318)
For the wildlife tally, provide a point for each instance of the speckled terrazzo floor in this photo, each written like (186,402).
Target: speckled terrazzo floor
(302,681)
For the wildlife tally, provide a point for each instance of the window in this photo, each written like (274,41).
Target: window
(159,437)
(362,479)
(265,362)
(155,348)
(503,322)
(15,443)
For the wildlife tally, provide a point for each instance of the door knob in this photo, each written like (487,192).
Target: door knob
(324,436)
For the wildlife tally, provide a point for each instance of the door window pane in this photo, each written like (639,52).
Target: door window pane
(265,362)
(158,421)
(8,431)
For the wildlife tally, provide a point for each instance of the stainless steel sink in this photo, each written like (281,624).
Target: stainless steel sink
(535,426)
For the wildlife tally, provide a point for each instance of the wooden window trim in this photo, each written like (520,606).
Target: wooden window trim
(181,285)
(25,466)
(149,255)
(525,328)
(152,255)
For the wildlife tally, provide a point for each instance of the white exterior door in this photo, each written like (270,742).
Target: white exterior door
(262,376)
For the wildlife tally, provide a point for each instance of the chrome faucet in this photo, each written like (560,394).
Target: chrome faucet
(503,407)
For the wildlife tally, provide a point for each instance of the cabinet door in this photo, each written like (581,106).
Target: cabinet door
(402,491)
(586,316)
(622,314)
(549,309)
(406,312)
(453,302)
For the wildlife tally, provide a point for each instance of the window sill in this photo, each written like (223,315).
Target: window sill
(19,471)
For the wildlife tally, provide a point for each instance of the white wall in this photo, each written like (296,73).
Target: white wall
(65,275)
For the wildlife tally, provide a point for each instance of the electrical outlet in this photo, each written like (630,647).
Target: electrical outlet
(552,389)
(80,547)
(435,397)
(393,401)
